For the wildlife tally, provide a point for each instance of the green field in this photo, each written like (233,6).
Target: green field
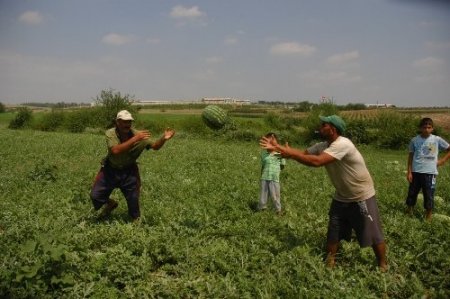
(200,236)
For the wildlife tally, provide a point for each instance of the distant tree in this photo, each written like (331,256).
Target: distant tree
(303,106)
(109,102)
(353,106)
(2,108)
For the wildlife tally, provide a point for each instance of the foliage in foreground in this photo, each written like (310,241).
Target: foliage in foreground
(200,236)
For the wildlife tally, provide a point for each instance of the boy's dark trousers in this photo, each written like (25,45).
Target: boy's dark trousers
(425,182)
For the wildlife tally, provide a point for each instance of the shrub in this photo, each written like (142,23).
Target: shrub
(440,132)
(303,106)
(22,119)
(51,121)
(395,130)
(358,131)
(276,121)
(78,121)
(109,103)
(273,120)
(312,122)
(2,108)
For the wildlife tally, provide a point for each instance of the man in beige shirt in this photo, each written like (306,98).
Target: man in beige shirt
(354,204)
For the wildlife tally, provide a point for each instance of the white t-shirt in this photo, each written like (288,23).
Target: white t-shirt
(348,173)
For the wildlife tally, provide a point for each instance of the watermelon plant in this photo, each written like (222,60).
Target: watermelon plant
(200,236)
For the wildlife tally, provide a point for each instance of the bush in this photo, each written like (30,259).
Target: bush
(109,103)
(395,130)
(273,120)
(304,106)
(23,118)
(78,121)
(359,131)
(51,121)
(312,122)
(276,121)
(2,108)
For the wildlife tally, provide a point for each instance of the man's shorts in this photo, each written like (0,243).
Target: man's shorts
(361,216)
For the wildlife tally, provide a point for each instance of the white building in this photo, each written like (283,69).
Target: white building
(380,105)
(219,100)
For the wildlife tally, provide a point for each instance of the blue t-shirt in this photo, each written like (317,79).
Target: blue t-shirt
(426,152)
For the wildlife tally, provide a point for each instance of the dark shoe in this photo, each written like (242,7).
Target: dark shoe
(110,206)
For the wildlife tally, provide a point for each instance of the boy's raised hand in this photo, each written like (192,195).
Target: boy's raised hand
(268,143)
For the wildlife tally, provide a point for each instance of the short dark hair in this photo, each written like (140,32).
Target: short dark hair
(271,134)
(425,122)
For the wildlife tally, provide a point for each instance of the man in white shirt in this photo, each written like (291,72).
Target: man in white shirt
(354,204)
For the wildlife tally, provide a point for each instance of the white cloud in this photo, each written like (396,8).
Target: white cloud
(117,39)
(181,12)
(429,64)
(292,48)
(31,17)
(343,58)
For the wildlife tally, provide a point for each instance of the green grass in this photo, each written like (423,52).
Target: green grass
(200,236)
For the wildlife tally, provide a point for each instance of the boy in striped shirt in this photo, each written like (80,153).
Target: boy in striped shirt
(271,165)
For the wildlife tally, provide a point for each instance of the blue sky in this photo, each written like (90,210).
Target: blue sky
(355,51)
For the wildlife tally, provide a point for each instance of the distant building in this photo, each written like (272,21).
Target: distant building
(380,105)
(219,100)
(161,102)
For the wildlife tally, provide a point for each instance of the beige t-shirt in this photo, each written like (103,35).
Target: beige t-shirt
(348,174)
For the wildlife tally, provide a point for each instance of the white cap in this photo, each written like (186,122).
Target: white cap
(124,115)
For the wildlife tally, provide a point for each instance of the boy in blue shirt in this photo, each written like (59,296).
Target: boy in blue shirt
(422,166)
(271,165)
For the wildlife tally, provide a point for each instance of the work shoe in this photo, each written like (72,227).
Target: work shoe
(110,205)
